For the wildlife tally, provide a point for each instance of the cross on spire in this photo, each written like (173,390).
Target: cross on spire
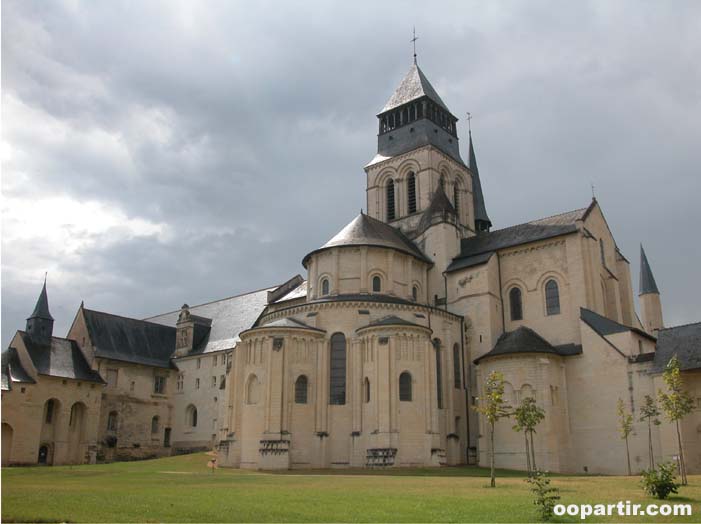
(469,121)
(413,41)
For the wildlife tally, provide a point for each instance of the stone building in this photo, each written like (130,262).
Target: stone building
(377,357)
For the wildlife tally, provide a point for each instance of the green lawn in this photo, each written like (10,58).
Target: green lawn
(183,489)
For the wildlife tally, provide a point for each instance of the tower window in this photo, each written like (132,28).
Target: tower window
(337,383)
(456,199)
(441,182)
(391,215)
(411,192)
(516,304)
(301,390)
(405,387)
(552,298)
(376,284)
(325,287)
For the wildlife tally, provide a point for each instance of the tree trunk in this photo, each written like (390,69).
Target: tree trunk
(528,453)
(649,443)
(533,453)
(493,482)
(628,457)
(682,464)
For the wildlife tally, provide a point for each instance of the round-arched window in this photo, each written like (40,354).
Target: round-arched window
(325,287)
(376,284)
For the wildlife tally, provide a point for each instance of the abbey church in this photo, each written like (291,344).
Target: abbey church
(377,356)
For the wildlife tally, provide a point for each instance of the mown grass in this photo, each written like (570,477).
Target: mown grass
(183,489)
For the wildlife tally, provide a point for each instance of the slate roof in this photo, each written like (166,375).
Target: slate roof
(477,195)
(367,231)
(230,316)
(41,310)
(605,326)
(363,297)
(62,359)
(298,292)
(12,370)
(391,320)
(462,263)
(682,341)
(540,229)
(439,210)
(412,87)
(647,281)
(524,340)
(290,323)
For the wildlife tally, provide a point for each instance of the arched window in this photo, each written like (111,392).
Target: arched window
(516,304)
(112,421)
(405,387)
(390,201)
(439,379)
(552,298)
(154,425)
(325,287)
(415,293)
(456,366)
(301,390)
(366,390)
(441,182)
(456,199)
(252,390)
(191,416)
(411,192)
(376,284)
(50,408)
(337,382)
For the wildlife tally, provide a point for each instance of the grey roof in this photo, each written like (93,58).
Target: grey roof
(439,210)
(521,340)
(367,231)
(682,341)
(465,262)
(289,323)
(391,320)
(647,281)
(298,292)
(605,326)
(41,310)
(541,229)
(12,370)
(62,358)
(130,339)
(477,195)
(363,297)
(414,86)
(230,316)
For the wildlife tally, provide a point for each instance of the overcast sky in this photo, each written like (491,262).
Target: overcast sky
(155,153)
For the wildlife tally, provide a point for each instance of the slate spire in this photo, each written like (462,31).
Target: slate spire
(439,210)
(40,324)
(647,281)
(482,222)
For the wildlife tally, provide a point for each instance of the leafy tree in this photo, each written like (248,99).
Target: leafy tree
(546,496)
(625,427)
(493,407)
(676,404)
(660,482)
(528,415)
(649,412)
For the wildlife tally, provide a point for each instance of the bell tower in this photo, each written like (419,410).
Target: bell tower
(40,325)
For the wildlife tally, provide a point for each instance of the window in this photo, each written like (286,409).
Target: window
(439,379)
(214,382)
(456,366)
(197,383)
(325,287)
(441,182)
(515,303)
(252,390)
(191,416)
(112,420)
(181,381)
(76,416)
(603,254)
(552,298)
(214,363)
(405,387)
(376,284)
(111,378)
(199,363)
(337,383)
(411,192)
(415,293)
(301,390)
(366,390)
(456,199)
(50,406)
(159,385)
(390,200)
(222,381)
(154,425)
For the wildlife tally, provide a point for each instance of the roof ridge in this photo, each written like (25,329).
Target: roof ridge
(146,319)
(123,316)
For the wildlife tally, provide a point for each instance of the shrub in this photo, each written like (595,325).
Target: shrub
(660,482)
(546,496)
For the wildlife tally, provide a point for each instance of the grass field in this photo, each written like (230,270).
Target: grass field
(183,489)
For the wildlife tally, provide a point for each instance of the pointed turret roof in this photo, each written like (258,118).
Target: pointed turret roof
(41,310)
(439,210)
(414,86)
(477,195)
(647,281)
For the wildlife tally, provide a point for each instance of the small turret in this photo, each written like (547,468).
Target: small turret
(650,302)
(482,222)
(40,325)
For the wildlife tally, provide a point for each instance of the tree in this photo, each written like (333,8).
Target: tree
(676,404)
(546,496)
(493,407)
(649,412)
(625,427)
(528,415)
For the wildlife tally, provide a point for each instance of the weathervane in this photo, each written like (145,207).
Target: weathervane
(469,118)
(593,196)
(413,41)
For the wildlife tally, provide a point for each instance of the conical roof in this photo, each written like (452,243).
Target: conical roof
(439,210)
(414,86)
(367,231)
(41,310)
(477,195)
(647,281)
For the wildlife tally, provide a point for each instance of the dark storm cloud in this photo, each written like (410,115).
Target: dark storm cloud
(237,133)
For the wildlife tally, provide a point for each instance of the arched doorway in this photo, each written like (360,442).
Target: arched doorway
(76,433)
(45,456)
(6,443)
